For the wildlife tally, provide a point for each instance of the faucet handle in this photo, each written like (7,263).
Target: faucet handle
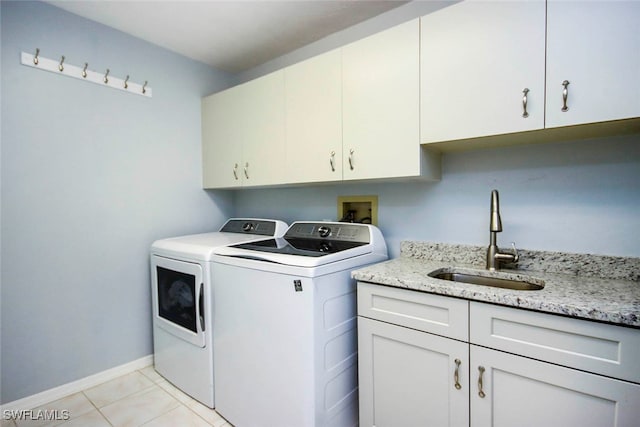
(516,256)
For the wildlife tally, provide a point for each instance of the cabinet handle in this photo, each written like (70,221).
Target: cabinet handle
(480,391)
(235,171)
(524,102)
(456,374)
(351,159)
(565,95)
(246,170)
(332,161)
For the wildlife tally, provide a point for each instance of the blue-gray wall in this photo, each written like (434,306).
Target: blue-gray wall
(578,196)
(90,177)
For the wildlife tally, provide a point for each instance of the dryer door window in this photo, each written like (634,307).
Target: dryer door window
(177,298)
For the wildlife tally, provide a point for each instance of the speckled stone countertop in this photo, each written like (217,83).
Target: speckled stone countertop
(593,287)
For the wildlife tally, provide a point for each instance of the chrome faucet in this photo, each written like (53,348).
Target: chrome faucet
(494,256)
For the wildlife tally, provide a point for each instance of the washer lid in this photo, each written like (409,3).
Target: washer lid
(309,244)
(300,247)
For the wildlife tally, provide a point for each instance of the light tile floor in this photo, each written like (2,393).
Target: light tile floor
(141,398)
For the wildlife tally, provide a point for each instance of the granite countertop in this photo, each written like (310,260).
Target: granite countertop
(584,286)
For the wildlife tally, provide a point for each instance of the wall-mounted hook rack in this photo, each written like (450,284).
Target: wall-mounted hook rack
(82,73)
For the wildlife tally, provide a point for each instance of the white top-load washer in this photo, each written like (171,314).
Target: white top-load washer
(285,325)
(182,302)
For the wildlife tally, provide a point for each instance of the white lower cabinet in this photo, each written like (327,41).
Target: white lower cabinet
(408,377)
(518,391)
(411,375)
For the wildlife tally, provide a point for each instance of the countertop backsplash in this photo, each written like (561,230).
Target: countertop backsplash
(586,265)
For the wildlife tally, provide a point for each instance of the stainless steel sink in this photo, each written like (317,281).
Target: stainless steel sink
(496,282)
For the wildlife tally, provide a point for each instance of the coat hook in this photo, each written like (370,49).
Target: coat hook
(35,58)
(84,70)
(144,88)
(106,77)
(126,85)
(60,66)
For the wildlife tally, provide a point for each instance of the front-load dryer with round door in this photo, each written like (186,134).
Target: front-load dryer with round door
(181,288)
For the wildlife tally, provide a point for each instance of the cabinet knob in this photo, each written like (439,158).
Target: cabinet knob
(456,375)
(332,161)
(235,171)
(246,170)
(565,95)
(351,158)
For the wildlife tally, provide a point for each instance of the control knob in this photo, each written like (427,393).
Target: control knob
(324,231)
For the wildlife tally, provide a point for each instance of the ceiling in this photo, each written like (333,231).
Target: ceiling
(232,36)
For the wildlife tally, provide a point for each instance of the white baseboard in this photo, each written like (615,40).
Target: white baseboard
(47,396)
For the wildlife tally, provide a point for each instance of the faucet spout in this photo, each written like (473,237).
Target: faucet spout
(494,256)
(495,225)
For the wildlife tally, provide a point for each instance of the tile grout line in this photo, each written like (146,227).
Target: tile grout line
(155,383)
(128,396)
(97,409)
(164,413)
(152,388)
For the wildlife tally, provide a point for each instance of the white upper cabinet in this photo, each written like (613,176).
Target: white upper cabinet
(264,131)
(479,61)
(243,133)
(473,69)
(222,129)
(595,47)
(381,104)
(313,100)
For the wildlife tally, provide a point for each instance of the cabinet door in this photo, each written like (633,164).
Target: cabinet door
(595,46)
(477,59)
(407,377)
(381,101)
(222,139)
(313,102)
(262,122)
(523,392)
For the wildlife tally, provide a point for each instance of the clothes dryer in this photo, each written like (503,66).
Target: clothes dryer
(182,301)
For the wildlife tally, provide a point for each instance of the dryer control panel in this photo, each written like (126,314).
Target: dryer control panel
(261,227)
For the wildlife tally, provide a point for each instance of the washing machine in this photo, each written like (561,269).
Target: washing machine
(181,289)
(285,325)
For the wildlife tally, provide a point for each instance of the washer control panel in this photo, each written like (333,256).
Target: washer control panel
(337,231)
